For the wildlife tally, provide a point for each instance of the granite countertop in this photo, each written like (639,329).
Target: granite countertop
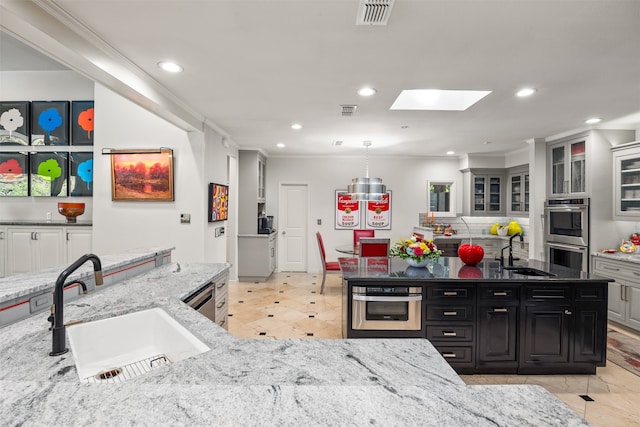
(45,223)
(620,256)
(251,381)
(452,268)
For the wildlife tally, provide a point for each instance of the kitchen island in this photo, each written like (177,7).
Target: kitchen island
(251,381)
(541,319)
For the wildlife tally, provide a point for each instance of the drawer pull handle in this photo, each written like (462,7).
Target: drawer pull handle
(449,355)
(500,293)
(450,293)
(567,312)
(222,322)
(221,304)
(449,334)
(500,310)
(450,313)
(606,267)
(221,284)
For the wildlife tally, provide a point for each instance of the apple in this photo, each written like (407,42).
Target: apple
(470,272)
(470,254)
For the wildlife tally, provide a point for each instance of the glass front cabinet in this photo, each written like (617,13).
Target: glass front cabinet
(567,168)
(626,194)
(487,193)
(518,191)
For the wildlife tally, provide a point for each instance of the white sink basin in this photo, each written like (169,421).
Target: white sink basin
(122,347)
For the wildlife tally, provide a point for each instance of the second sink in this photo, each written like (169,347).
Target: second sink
(528,271)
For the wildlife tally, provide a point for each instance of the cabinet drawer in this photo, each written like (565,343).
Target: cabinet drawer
(500,293)
(614,269)
(548,293)
(590,293)
(450,333)
(450,312)
(449,293)
(456,354)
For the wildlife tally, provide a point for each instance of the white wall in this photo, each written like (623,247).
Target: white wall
(405,177)
(43,86)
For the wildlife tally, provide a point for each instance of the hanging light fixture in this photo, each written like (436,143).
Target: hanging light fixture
(366,188)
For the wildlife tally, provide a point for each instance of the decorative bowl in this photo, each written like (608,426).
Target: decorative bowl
(71,211)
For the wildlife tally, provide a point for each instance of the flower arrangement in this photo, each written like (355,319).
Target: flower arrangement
(415,249)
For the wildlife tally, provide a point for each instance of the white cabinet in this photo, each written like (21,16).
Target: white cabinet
(79,242)
(484,192)
(251,189)
(3,251)
(257,257)
(567,167)
(34,248)
(518,192)
(626,178)
(624,293)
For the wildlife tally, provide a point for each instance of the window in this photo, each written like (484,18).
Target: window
(441,198)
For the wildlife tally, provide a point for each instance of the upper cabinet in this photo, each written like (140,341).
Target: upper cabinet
(252,168)
(626,177)
(518,191)
(567,168)
(484,192)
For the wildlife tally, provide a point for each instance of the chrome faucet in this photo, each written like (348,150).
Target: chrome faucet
(510,246)
(57,309)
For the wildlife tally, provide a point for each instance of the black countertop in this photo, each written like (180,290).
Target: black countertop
(452,268)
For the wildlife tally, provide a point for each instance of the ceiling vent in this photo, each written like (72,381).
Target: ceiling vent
(337,143)
(374,12)
(347,110)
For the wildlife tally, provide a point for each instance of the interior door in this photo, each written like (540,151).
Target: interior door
(292,227)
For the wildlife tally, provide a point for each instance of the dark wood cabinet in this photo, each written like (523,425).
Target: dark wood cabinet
(546,335)
(497,329)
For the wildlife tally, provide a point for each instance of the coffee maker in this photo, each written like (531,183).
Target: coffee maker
(265,225)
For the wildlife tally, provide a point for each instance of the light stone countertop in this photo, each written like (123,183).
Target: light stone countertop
(620,256)
(251,382)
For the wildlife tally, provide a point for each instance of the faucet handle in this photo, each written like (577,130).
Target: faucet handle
(51,317)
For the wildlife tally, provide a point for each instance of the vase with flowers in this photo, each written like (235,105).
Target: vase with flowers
(416,251)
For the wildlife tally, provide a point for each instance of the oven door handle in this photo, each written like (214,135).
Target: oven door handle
(567,247)
(409,298)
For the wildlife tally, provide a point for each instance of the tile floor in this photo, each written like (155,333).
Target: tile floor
(289,305)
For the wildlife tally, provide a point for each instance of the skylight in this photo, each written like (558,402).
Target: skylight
(436,99)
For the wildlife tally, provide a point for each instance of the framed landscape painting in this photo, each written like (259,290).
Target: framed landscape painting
(80,174)
(50,123)
(14,174)
(82,123)
(48,177)
(142,175)
(15,120)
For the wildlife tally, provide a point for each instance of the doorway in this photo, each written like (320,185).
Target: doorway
(292,226)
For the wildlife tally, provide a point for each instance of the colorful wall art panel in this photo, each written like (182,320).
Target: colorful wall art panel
(15,120)
(144,175)
(82,123)
(50,123)
(81,174)
(218,202)
(49,174)
(14,174)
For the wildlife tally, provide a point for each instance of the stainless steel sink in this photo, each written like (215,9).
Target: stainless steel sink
(528,271)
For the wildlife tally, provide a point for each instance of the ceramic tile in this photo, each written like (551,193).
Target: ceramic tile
(613,409)
(573,401)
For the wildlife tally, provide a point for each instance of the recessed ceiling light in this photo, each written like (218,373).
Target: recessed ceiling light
(280,145)
(527,91)
(404,127)
(436,99)
(296,126)
(171,67)
(593,120)
(449,153)
(366,91)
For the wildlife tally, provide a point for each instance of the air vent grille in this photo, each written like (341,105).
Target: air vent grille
(374,12)
(347,110)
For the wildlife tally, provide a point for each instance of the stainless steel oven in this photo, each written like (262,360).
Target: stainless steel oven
(203,301)
(386,308)
(572,256)
(567,221)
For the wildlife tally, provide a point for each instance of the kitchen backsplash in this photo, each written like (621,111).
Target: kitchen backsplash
(477,224)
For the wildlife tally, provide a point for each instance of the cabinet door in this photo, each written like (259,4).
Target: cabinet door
(3,251)
(558,182)
(567,165)
(497,333)
(589,333)
(479,194)
(495,195)
(516,186)
(546,334)
(617,304)
(627,183)
(20,258)
(633,306)
(48,248)
(79,242)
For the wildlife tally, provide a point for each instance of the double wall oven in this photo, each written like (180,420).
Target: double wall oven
(566,223)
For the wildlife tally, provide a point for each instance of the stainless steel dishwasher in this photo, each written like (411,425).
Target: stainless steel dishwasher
(203,301)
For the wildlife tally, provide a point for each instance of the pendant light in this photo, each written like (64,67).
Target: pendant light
(366,188)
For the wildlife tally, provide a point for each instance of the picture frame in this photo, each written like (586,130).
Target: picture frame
(50,122)
(378,213)
(82,122)
(14,174)
(218,202)
(48,174)
(81,174)
(15,123)
(347,211)
(142,175)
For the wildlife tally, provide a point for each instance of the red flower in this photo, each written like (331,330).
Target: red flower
(11,166)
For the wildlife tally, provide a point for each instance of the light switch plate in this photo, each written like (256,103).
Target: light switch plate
(185,218)
(319,221)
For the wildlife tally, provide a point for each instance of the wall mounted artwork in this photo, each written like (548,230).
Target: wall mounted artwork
(50,123)
(80,174)
(48,174)
(82,123)
(378,213)
(14,174)
(15,121)
(347,211)
(142,175)
(218,202)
